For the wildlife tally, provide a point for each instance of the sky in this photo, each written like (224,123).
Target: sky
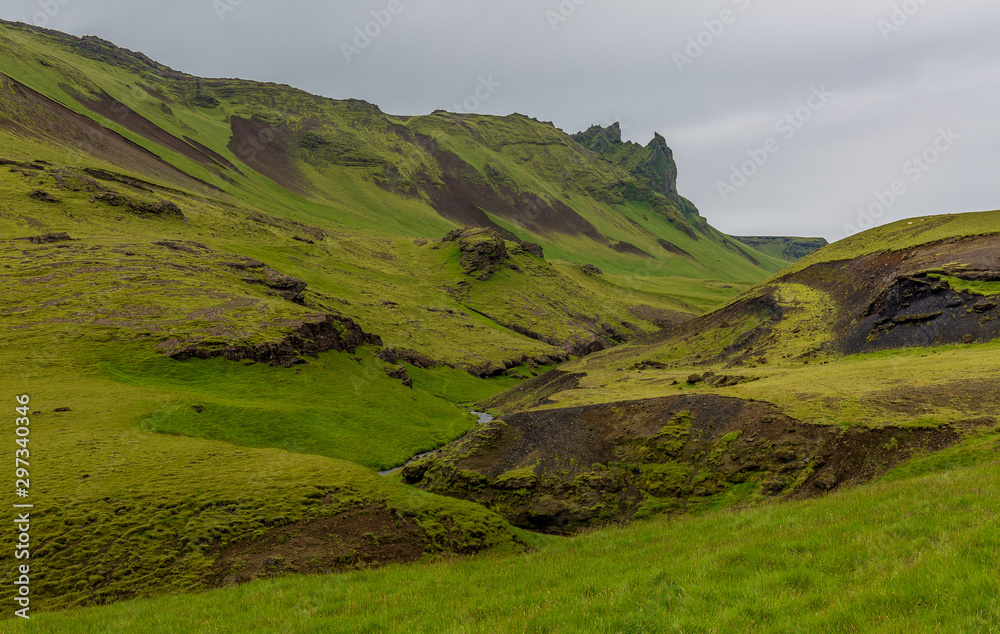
(805,118)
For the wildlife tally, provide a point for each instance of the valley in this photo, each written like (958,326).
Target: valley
(295,363)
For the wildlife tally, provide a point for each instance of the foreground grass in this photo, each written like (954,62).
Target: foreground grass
(913,555)
(121,512)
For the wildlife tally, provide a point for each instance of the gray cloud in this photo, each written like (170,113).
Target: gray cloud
(606,61)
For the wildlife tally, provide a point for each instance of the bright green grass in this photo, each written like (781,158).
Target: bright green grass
(121,511)
(457,386)
(336,406)
(946,384)
(976,288)
(914,555)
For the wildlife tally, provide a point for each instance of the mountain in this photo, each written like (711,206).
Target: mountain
(346,199)
(229,303)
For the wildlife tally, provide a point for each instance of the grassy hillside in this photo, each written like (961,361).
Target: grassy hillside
(232,303)
(134,494)
(243,300)
(352,201)
(914,552)
(819,378)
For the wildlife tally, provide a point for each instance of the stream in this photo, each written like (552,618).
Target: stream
(483,417)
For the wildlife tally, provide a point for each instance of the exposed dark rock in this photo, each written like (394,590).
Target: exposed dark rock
(398,355)
(50,237)
(533,249)
(484,251)
(160,208)
(398,372)
(591,269)
(44,196)
(245,264)
(309,337)
(289,287)
(185,246)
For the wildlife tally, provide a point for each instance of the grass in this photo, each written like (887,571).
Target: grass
(457,386)
(121,511)
(916,554)
(159,466)
(987,289)
(947,384)
(369,419)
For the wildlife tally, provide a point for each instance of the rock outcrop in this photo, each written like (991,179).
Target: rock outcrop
(309,337)
(566,469)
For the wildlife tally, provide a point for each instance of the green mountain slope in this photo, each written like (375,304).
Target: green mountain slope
(304,170)
(231,302)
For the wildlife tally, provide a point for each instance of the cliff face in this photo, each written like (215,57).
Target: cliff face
(652,165)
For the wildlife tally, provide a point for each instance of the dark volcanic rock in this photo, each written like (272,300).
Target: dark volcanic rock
(49,238)
(43,196)
(289,287)
(398,355)
(484,251)
(310,337)
(920,310)
(399,373)
(533,249)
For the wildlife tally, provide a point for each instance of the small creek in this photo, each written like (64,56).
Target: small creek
(483,417)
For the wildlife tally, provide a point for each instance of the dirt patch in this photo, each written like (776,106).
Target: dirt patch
(109,107)
(38,116)
(861,454)
(467,195)
(212,154)
(661,317)
(673,248)
(265,148)
(362,537)
(971,396)
(630,249)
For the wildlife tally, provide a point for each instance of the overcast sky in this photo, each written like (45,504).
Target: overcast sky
(786,117)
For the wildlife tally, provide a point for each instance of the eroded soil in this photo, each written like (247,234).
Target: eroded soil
(565,469)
